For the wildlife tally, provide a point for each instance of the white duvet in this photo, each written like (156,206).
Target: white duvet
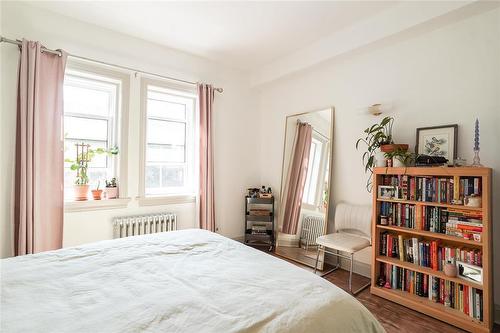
(182,281)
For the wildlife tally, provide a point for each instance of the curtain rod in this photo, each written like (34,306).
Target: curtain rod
(315,130)
(58,52)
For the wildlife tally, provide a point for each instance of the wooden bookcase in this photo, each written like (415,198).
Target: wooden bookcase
(422,304)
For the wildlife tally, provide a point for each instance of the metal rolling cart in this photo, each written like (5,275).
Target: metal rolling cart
(259,228)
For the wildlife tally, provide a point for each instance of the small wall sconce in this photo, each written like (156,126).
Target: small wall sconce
(375,109)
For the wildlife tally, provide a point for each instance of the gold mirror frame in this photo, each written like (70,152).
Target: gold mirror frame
(283,176)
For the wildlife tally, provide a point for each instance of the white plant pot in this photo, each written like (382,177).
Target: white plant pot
(396,163)
(380,159)
(111,192)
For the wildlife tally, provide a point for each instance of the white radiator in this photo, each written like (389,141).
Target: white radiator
(312,228)
(144,224)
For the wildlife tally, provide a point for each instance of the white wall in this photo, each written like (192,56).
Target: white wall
(234,124)
(446,76)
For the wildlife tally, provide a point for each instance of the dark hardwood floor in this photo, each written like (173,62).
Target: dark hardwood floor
(394,317)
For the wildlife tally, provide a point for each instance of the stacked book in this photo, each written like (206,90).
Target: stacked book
(426,253)
(454,295)
(258,229)
(464,223)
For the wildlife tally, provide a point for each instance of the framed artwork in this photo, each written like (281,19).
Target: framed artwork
(386,192)
(438,141)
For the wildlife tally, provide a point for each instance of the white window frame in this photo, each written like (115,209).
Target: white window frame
(183,90)
(117,132)
(323,162)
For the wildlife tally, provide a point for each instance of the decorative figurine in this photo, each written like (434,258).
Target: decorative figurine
(476,162)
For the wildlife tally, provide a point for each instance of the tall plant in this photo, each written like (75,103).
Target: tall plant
(375,136)
(83,158)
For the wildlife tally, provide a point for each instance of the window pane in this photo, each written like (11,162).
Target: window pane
(165,153)
(163,109)
(98,161)
(162,179)
(85,128)
(311,186)
(166,132)
(170,141)
(90,109)
(172,176)
(87,100)
(152,176)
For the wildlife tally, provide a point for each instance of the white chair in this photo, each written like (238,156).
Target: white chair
(352,234)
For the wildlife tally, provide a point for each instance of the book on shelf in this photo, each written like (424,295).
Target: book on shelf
(450,221)
(444,190)
(425,253)
(463,298)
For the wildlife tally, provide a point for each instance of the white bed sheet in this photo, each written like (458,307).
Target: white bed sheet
(182,281)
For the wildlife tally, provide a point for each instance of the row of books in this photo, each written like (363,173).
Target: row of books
(430,254)
(453,295)
(455,222)
(426,218)
(433,189)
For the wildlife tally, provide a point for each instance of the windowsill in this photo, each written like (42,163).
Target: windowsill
(89,205)
(166,200)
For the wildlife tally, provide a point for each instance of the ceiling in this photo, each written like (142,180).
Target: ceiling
(243,35)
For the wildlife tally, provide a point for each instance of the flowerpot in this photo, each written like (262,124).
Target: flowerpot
(392,147)
(97,194)
(81,192)
(396,163)
(111,192)
(472,201)
(379,158)
(450,270)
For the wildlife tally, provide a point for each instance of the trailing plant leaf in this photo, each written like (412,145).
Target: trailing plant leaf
(376,135)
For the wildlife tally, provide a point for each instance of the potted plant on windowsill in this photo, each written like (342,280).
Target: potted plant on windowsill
(84,156)
(97,193)
(111,189)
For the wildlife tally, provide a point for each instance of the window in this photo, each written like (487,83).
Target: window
(315,179)
(170,132)
(91,104)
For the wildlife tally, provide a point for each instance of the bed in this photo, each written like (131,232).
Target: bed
(182,281)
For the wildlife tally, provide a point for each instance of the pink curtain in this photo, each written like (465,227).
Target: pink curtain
(297,173)
(207,205)
(38,201)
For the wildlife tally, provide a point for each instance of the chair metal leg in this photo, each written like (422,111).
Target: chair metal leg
(350,272)
(337,266)
(350,280)
(317,259)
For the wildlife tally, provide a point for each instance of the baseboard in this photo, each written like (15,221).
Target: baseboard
(497,314)
(240,239)
(359,267)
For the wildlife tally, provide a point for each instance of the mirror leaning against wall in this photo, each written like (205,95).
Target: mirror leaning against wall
(305,185)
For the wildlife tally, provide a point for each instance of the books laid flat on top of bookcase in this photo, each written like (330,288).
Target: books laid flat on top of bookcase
(423,220)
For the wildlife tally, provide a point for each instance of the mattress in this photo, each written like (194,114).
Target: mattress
(181,281)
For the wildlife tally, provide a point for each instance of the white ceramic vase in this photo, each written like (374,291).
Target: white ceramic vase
(396,163)
(379,158)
